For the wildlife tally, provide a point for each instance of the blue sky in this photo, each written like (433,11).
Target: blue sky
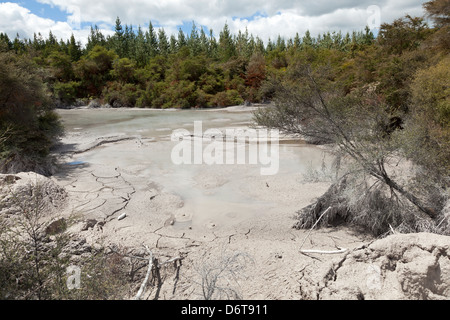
(44,10)
(266,19)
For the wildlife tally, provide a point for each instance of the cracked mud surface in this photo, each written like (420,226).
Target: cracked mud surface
(202,233)
(209,213)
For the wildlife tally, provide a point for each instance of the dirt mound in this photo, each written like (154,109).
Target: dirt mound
(30,190)
(402,266)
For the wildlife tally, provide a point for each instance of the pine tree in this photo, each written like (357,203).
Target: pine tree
(173,44)
(307,41)
(163,43)
(95,38)
(152,41)
(181,40)
(368,36)
(281,44)
(227,47)
(213,47)
(297,41)
(260,45)
(74,49)
(194,41)
(140,55)
(129,41)
(7,42)
(270,47)
(242,44)
(118,38)
(51,41)
(204,42)
(18,45)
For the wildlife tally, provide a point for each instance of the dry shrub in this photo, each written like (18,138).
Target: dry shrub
(219,276)
(372,207)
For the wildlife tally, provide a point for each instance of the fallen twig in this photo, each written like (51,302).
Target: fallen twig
(171,260)
(392,229)
(149,270)
(310,230)
(340,250)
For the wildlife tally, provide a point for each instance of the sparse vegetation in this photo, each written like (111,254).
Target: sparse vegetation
(219,278)
(35,256)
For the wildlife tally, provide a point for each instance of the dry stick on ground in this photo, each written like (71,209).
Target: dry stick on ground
(149,271)
(341,250)
(152,262)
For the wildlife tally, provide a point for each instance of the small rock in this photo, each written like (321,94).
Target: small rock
(94,104)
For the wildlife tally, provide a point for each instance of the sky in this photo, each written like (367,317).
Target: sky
(266,19)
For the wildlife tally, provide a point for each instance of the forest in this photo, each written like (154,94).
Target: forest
(150,69)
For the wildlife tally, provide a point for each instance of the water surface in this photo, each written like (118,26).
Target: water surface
(209,192)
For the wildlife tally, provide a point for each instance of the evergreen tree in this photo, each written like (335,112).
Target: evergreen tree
(18,45)
(194,41)
(259,46)
(152,41)
(297,41)
(307,41)
(129,41)
(227,47)
(281,44)
(140,54)
(163,42)
(118,39)
(51,41)
(38,42)
(204,42)
(74,49)
(270,46)
(242,44)
(213,47)
(181,40)
(173,44)
(6,41)
(96,38)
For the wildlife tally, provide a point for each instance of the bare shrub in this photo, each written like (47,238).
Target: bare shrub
(34,255)
(219,277)
(370,206)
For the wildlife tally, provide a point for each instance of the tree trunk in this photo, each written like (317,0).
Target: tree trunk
(412,198)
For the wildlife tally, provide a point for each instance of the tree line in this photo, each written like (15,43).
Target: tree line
(152,69)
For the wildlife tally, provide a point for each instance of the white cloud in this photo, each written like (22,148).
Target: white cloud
(15,19)
(262,18)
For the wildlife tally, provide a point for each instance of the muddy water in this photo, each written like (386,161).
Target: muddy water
(211,193)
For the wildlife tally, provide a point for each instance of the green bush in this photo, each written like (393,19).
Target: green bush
(66,91)
(28,125)
(227,98)
(121,96)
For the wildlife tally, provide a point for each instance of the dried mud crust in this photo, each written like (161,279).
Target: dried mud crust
(398,267)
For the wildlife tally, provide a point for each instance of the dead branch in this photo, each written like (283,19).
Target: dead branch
(340,250)
(310,230)
(149,270)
